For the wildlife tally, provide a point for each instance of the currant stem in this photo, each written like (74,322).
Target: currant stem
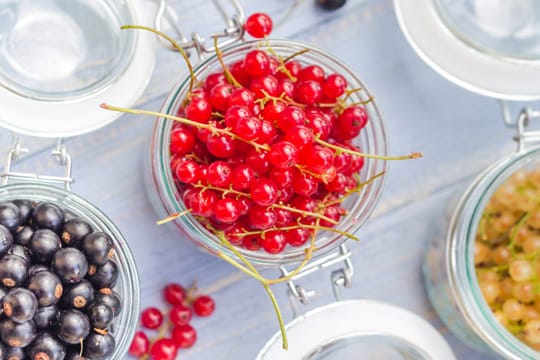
(284,341)
(227,243)
(174,44)
(226,71)
(230,190)
(305,213)
(303,226)
(241,267)
(172,217)
(282,66)
(414,155)
(354,190)
(298,53)
(184,121)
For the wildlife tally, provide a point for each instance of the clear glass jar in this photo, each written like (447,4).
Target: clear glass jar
(449,269)
(166,198)
(124,326)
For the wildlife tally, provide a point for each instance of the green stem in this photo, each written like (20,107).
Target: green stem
(284,341)
(303,226)
(354,190)
(304,213)
(292,56)
(174,44)
(184,121)
(242,268)
(414,155)
(226,71)
(513,235)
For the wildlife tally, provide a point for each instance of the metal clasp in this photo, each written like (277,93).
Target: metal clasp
(522,136)
(234,30)
(342,277)
(61,155)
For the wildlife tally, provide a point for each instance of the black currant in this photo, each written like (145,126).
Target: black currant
(98,346)
(23,234)
(3,293)
(48,216)
(104,276)
(46,347)
(15,353)
(46,317)
(47,288)
(20,305)
(34,269)
(13,271)
(6,240)
(73,326)
(111,298)
(78,296)
(17,335)
(75,231)
(74,353)
(3,351)
(10,216)
(20,251)
(70,265)
(331,4)
(26,209)
(98,248)
(43,245)
(100,315)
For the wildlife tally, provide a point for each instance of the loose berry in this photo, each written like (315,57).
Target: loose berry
(258,25)
(203,305)
(184,336)
(139,345)
(180,315)
(151,318)
(174,294)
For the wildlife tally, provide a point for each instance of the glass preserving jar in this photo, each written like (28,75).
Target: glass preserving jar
(372,140)
(127,286)
(449,268)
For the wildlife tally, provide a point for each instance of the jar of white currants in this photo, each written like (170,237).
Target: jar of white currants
(480,270)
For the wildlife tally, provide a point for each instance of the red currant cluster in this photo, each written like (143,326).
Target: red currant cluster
(181,334)
(268,147)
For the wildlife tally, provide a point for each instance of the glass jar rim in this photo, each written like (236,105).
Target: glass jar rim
(460,249)
(289,256)
(129,277)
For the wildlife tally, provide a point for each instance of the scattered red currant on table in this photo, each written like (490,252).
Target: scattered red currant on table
(174,329)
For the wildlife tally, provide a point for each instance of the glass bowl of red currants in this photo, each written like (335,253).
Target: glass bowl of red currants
(102,307)
(269,146)
(481,270)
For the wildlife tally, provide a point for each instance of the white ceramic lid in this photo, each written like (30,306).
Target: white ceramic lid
(389,331)
(70,116)
(477,71)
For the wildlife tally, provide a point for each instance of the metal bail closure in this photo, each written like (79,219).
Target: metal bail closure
(342,277)
(522,137)
(61,155)
(234,30)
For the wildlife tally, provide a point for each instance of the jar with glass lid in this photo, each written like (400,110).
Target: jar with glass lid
(490,48)
(58,61)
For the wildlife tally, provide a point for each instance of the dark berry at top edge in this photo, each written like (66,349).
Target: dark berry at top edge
(10,216)
(48,216)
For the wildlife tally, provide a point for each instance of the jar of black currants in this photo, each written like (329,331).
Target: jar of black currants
(481,268)
(69,285)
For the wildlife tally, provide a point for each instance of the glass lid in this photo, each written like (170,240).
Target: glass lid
(59,59)
(503,28)
(359,330)
(491,47)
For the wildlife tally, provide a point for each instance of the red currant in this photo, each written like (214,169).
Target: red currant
(258,25)
(174,294)
(187,171)
(180,315)
(199,110)
(257,63)
(219,174)
(184,336)
(220,95)
(273,242)
(182,140)
(283,154)
(203,305)
(164,349)
(309,92)
(139,345)
(334,86)
(261,217)
(151,318)
(221,146)
(290,117)
(226,210)
(264,192)
(242,177)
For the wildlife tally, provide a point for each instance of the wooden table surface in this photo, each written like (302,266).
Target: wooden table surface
(460,134)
